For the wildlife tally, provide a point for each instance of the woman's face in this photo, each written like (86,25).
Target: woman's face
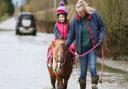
(61,18)
(82,13)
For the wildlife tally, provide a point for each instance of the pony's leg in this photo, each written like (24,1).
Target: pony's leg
(53,81)
(65,83)
(60,83)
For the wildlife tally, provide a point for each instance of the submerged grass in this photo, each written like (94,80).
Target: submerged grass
(113,70)
(110,69)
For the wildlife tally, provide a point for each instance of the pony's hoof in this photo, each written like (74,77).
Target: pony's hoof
(53,88)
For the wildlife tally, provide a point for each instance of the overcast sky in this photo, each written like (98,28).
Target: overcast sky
(18,2)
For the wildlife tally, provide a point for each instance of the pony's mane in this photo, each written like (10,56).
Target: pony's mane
(59,42)
(58,47)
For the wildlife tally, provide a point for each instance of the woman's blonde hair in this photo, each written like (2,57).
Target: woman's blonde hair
(82,5)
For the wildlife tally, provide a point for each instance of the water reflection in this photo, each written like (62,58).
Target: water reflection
(110,80)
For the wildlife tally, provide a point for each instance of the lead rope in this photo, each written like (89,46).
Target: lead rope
(81,55)
(102,67)
(102,64)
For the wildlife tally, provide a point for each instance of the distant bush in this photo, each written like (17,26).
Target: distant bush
(115,15)
(6,8)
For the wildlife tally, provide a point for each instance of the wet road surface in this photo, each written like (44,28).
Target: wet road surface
(23,65)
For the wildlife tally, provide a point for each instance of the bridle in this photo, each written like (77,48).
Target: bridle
(62,57)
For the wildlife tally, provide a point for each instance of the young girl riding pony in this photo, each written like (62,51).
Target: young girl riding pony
(61,29)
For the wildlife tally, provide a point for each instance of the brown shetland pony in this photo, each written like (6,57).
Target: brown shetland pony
(62,65)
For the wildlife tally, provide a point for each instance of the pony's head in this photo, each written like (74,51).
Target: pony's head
(59,53)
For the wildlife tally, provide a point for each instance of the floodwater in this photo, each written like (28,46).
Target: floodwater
(23,65)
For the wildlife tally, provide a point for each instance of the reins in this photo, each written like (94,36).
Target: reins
(81,55)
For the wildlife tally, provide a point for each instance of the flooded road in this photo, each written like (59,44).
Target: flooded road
(23,65)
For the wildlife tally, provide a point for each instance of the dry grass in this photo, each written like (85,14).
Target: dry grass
(50,15)
(114,13)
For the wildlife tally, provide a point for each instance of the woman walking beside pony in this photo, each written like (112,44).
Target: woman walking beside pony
(87,30)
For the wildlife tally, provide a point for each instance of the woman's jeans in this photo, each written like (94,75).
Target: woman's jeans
(88,60)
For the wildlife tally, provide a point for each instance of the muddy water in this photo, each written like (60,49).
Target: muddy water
(23,65)
(111,80)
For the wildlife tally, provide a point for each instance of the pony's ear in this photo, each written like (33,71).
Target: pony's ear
(53,43)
